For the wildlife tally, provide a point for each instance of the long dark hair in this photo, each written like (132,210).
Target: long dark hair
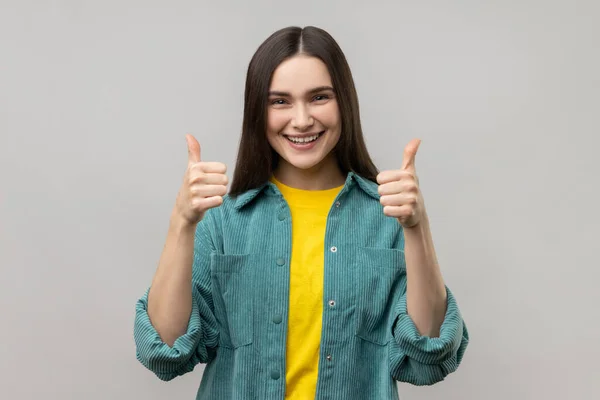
(256,159)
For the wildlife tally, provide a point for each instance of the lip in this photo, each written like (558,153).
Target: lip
(304,147)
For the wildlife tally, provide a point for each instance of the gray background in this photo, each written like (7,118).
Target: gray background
(95,100)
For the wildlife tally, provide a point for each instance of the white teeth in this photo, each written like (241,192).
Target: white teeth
(303,140)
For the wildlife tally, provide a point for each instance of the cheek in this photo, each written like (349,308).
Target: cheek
(329,115)
(276,121)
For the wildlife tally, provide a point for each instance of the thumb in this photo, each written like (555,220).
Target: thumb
(193,149)
(410,152)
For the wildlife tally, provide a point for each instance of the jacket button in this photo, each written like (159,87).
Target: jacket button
(333,249)
(331,303)
(329,358)
(274,375)
(280,261)
(277,319)
(281,216)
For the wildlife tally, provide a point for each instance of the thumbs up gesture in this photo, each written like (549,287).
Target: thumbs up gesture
(399,190)
(204,185)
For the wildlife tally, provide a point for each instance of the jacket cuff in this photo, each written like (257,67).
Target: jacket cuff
(424,349)
(166,361)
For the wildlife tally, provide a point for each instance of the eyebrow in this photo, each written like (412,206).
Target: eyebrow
(311,91)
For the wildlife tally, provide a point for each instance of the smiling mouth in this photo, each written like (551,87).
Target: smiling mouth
(304,140)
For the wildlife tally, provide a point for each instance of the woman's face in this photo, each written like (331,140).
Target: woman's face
(303,118)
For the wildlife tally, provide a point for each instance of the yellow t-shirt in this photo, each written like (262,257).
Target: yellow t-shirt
(309,209)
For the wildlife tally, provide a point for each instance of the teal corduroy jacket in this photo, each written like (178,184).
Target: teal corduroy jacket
(238,323)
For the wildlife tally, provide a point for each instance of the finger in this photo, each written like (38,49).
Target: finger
(212,167)
(193,149)
(199,176)
(404,185)
(405,211)
(398,199)
(201,190)
(214,179)
(393,175)
(204,203)
(410,152)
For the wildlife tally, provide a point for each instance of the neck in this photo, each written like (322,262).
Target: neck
(325,175)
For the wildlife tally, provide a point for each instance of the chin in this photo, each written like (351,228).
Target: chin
(304,164)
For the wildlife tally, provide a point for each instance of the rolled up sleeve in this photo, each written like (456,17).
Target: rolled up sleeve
(422,360)
(199,342)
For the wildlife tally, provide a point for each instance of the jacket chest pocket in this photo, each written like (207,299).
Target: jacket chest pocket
(232,278)
(380,282)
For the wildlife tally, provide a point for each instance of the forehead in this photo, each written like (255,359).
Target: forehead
(300,73)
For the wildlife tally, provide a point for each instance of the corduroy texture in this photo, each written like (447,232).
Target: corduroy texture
(241,282)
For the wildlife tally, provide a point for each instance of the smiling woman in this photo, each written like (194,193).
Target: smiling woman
(299,85)
(315,277)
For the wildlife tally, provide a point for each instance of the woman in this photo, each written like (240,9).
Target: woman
(315,277)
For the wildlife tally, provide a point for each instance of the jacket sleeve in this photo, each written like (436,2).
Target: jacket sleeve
(421,360)
(198,344)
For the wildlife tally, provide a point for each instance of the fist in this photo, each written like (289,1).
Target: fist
(204,185)
(399,190)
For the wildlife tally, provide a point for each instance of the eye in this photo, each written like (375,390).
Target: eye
(321,97)
(278,102)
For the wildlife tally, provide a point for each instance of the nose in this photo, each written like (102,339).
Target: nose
(302,119)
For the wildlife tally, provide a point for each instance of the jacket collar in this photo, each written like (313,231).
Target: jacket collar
(270,188)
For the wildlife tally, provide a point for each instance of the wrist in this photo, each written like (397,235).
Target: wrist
(179,223)
(416,232)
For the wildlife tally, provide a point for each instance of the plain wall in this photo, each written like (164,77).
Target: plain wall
(95,100)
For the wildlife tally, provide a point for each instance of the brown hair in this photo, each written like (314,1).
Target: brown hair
(256,159)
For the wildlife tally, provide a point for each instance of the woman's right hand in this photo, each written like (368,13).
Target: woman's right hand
(204,185)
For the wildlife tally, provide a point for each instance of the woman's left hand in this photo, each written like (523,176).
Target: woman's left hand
(399,190)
